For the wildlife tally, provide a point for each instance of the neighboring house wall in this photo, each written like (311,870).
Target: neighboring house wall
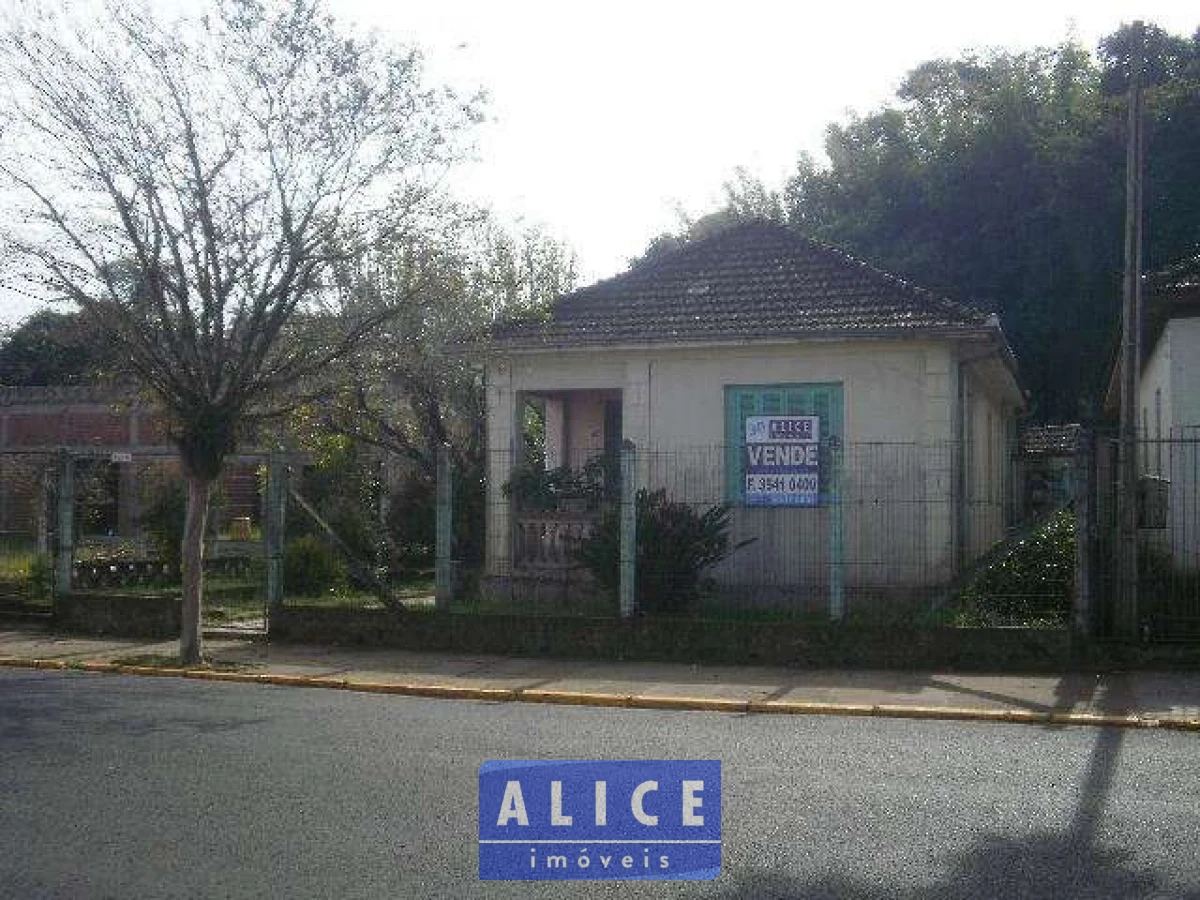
(1184,511)
(1154,405)
(1170,381)
(1184,336)
(988,467)
(36,422)
(1169,409)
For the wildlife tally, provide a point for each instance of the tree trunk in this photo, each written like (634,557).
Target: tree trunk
(192,566)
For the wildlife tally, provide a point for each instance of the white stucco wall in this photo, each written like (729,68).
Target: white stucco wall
(1183,339)
(898,522)
(1154,397)
(988,465)
(1174,369)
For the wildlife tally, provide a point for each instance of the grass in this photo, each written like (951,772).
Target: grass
(168,661)
(16,558)
(408,591)
(15,567)
(336,600)
(417,587)
(234,606)
(594,607)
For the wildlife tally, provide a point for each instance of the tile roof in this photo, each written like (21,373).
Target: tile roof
(753,281)
(1180,276)
(1051,440)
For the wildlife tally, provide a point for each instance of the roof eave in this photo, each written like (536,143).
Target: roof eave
(952,332)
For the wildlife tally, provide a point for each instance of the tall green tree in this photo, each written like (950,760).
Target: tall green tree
(416,387)
(194,184)
(54,348)
(998,180)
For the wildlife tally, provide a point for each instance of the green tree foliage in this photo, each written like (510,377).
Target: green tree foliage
(163,519)
(53,348)
(310,568)
(998,180)
(415,387)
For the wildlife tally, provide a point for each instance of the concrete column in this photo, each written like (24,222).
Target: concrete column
(837,541)
(128,499)
(502,435)
(636,424)
(5,481)
(556,433)
(1081,618)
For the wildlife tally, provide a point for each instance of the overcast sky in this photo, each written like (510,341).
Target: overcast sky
(607,117)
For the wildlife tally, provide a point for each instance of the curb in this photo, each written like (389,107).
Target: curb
(628,701)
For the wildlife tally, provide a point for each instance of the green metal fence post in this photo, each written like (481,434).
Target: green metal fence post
(628,584)
(837,548)
(64,533)
(1082,614)
(444,560)
(277,490)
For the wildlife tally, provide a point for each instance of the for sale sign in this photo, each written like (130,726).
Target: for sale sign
(783,460)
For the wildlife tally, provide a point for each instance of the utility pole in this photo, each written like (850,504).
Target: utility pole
(1126,618)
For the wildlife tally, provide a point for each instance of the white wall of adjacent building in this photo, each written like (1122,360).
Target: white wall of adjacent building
(1169,423)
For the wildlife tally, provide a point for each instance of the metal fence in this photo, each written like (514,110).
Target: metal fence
(934,533)
(858,530)
(110,520)
(1167,598)
(27,485)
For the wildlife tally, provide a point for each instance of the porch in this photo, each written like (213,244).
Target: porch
(557,472)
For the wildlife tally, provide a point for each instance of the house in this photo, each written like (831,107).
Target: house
(859,426)
(123,456)
(1169,409)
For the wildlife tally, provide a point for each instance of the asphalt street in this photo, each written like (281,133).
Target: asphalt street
(115,786)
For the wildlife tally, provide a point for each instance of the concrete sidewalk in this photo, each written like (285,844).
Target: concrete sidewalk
(1144,699)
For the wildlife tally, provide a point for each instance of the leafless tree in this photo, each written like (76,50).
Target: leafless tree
(192,184)
(416,387)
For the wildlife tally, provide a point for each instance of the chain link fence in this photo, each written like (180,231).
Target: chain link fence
(1167,599)
(110,522)
(939,533)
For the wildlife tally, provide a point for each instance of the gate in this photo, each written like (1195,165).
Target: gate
(107,521)
(1168,536)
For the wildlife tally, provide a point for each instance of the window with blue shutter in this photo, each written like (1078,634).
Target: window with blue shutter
(823,400)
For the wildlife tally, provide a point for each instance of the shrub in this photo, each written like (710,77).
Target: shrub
(1033,582)
(675,544)
(40,587)
(536,489)
(1164,588)
(311,568)
(411,522)
(163,521)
